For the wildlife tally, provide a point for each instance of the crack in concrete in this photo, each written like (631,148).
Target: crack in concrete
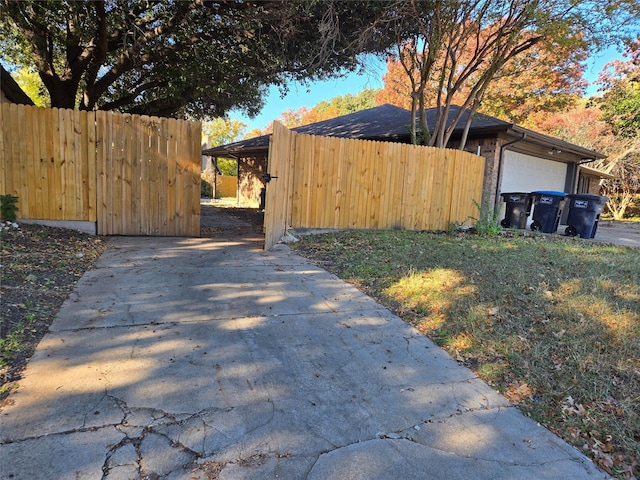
(137,424)
(110,464)
(118,326)
(395,437)
(50,435)
(181,432)
(408,433)
(93,410)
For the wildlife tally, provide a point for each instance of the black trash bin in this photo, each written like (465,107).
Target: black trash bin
(546,210)
(517,210)
(584,214)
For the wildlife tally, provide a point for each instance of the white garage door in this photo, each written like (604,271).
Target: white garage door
(524,173)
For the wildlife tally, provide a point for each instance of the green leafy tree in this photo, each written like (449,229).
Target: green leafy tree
(335,107)
(620,101)
(221,131)
(228,166)
(30,83)
(346,104)
(196,58)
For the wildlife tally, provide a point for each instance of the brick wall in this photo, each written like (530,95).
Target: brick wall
(250,172)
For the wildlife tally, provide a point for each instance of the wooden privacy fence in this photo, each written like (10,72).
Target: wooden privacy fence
(362,184)
(226,186)
(132,174)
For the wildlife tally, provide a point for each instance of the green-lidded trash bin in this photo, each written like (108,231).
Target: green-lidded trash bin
(517,209)
(584,214)
(546,210)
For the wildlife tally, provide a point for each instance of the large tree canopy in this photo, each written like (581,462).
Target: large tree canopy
(175,58)
(453,50)
(540,82)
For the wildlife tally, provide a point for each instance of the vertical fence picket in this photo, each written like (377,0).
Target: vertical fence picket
(101,165)
(80,145)
(3,148)
(34,168)
(337,186)
(45,159)
(22,170)
(172,173)
(143,176)
(164,177)
(89,183)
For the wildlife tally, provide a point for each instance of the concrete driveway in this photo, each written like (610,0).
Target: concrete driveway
(618,233)
(212,359)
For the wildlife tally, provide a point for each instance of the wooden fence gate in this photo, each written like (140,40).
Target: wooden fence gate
(279,170)
(326,182)
(131,174)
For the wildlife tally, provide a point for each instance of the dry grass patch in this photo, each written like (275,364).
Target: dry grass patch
(552,323)
(39,268)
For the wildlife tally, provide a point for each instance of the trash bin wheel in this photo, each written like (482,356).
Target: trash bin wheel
(536,225)
(571,231)
(504,223)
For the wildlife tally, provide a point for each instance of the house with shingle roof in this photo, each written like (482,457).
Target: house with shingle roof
(517,159)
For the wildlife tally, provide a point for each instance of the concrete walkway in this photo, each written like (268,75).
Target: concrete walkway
(211,359)
(623,233)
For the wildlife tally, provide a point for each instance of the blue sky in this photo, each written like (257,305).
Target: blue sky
(308,96)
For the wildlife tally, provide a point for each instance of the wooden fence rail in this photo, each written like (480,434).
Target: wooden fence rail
(131,174)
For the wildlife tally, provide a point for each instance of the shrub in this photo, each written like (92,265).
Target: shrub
(487,221)
(8,207)
(206,185)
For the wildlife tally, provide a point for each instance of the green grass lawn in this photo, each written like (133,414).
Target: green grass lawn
(550,322)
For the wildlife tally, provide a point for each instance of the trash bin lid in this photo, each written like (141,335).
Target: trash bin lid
(550,193)
(515,196)
(589,196)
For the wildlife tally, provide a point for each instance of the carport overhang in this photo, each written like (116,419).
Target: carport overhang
(596,173)
(236,153)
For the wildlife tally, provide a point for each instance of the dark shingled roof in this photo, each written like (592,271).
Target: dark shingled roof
(391,123)
(386,122)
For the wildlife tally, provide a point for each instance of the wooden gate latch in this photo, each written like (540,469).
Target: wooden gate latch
(267,177)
